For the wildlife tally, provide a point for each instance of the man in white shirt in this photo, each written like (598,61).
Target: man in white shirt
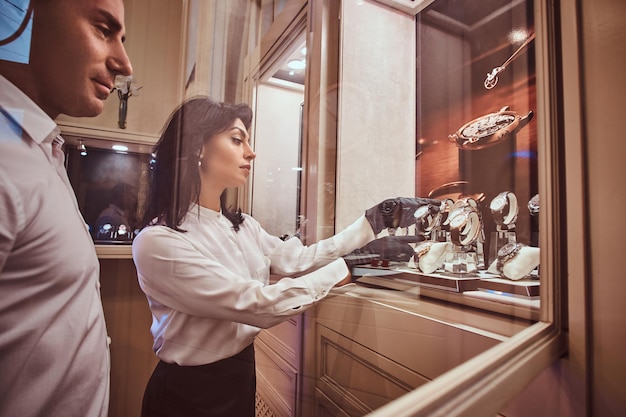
(54,358)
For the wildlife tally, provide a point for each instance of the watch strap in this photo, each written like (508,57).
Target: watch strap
(468,231)
(507,215)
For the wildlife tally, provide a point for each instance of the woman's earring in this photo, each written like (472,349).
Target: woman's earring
(199,162)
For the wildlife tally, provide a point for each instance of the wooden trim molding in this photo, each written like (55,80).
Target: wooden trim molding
(412,7)
(468,390)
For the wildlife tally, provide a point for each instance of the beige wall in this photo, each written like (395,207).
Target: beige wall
(376,146)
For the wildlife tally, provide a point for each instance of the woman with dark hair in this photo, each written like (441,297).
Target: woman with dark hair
(205,269)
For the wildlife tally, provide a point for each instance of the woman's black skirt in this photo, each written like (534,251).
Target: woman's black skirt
(225,388)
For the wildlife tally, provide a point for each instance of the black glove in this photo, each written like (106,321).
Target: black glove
(390,248)
(396,212)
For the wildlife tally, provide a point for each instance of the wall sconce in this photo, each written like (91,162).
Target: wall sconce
(126,87)
(82,149)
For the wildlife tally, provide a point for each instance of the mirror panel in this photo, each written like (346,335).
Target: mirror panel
(277,174)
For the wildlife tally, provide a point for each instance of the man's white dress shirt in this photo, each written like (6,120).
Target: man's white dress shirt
(209,288)
(54,357)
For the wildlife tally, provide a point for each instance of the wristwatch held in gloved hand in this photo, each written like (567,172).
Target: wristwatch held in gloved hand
(396,212)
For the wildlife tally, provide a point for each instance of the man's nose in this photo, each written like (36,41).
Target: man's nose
(119,62)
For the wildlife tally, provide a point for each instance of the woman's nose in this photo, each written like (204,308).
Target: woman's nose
(250,155)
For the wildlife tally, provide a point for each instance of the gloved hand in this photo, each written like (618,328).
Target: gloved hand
(396,212)
(390,248)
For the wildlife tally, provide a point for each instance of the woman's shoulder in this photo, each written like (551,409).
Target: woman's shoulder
(247,217)
(156,234)
(156,230)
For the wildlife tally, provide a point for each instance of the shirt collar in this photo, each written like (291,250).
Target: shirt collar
(25,114)
(203,212)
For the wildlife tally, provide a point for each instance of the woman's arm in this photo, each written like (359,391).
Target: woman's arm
(291,256)
(182,277)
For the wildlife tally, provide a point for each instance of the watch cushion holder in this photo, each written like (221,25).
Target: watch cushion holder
(520,266)
(434,258)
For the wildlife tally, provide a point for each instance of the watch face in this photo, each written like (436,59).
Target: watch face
(458,221)
(498,203)
(533,205)
(487,125)
(421,212)
(507,249)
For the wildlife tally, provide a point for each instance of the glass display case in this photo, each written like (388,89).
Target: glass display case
(476,151)
(435,99)
(110,180)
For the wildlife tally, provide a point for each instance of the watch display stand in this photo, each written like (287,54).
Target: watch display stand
(499,239)
(534,231)
(480,251)
(461,262)
(440,235)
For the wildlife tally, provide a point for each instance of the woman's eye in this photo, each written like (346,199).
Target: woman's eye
(237,140)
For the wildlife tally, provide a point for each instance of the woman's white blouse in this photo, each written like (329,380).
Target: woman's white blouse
(208,288)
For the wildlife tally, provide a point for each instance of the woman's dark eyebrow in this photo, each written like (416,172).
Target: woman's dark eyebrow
(114,24)
(243,132)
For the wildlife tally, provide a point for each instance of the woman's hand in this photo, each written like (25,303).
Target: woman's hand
(396,212)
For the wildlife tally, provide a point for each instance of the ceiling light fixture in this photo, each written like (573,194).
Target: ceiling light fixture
(297,64)
(119,148)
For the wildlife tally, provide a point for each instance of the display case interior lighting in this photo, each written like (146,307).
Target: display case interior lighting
(82,148)
(517,36)
(120,148)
